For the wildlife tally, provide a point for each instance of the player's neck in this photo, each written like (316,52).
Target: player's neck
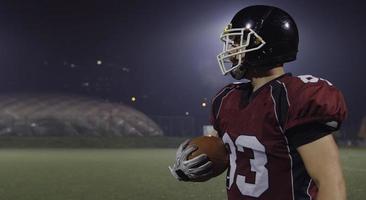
(260,79)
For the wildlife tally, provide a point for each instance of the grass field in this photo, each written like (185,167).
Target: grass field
(106,174)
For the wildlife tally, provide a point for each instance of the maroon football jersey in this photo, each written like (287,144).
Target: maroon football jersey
(264,128)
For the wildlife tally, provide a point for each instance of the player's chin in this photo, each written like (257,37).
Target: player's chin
(239,73)
(249,73)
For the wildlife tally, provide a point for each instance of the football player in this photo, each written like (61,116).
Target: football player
(278,127)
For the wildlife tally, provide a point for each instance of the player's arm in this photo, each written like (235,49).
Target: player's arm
(318,109)
(199,168)
(321,159)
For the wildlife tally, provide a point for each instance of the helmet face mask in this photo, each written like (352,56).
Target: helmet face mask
(258,37)
(237,42)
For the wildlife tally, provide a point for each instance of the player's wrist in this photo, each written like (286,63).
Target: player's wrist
(182,176)
(178,174)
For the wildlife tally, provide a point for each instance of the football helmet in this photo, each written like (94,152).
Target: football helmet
(258,37)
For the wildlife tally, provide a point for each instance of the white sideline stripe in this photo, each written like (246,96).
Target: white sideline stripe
(354,169)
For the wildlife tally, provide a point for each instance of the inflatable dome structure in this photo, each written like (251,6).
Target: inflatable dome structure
(60,115)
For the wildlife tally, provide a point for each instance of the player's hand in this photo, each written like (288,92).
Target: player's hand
(196,169)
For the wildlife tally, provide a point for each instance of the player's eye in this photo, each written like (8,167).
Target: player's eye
(237,40)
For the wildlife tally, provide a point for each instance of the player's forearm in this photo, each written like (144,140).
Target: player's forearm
(331,189)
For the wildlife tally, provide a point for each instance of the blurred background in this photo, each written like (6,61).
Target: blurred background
(95,95)
(82,65)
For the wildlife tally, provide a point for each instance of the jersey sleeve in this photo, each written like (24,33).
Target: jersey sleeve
(316,110)
(216,105)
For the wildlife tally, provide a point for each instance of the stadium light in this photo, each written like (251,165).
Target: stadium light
(99,62)
(133,99)
(33,124)
(203,104)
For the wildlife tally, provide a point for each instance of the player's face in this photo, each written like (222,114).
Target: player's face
(236,43)
(241,71)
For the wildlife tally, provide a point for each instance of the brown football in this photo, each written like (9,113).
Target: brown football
(215,149)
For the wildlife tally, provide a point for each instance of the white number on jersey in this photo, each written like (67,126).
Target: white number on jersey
(312,79)
(257,165)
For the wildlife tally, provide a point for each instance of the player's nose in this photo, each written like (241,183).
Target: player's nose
(234,59)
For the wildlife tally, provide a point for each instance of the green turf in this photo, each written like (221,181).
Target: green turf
(106,174)
(354,166)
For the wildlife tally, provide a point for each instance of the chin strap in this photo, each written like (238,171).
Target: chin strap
(238,73)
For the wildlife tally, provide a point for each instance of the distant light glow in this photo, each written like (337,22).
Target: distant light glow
(187,113)
(125,69)
(99,62)
(204,104)
(248,25)
(133,99)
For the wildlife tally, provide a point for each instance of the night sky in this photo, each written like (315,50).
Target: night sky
(164,52)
